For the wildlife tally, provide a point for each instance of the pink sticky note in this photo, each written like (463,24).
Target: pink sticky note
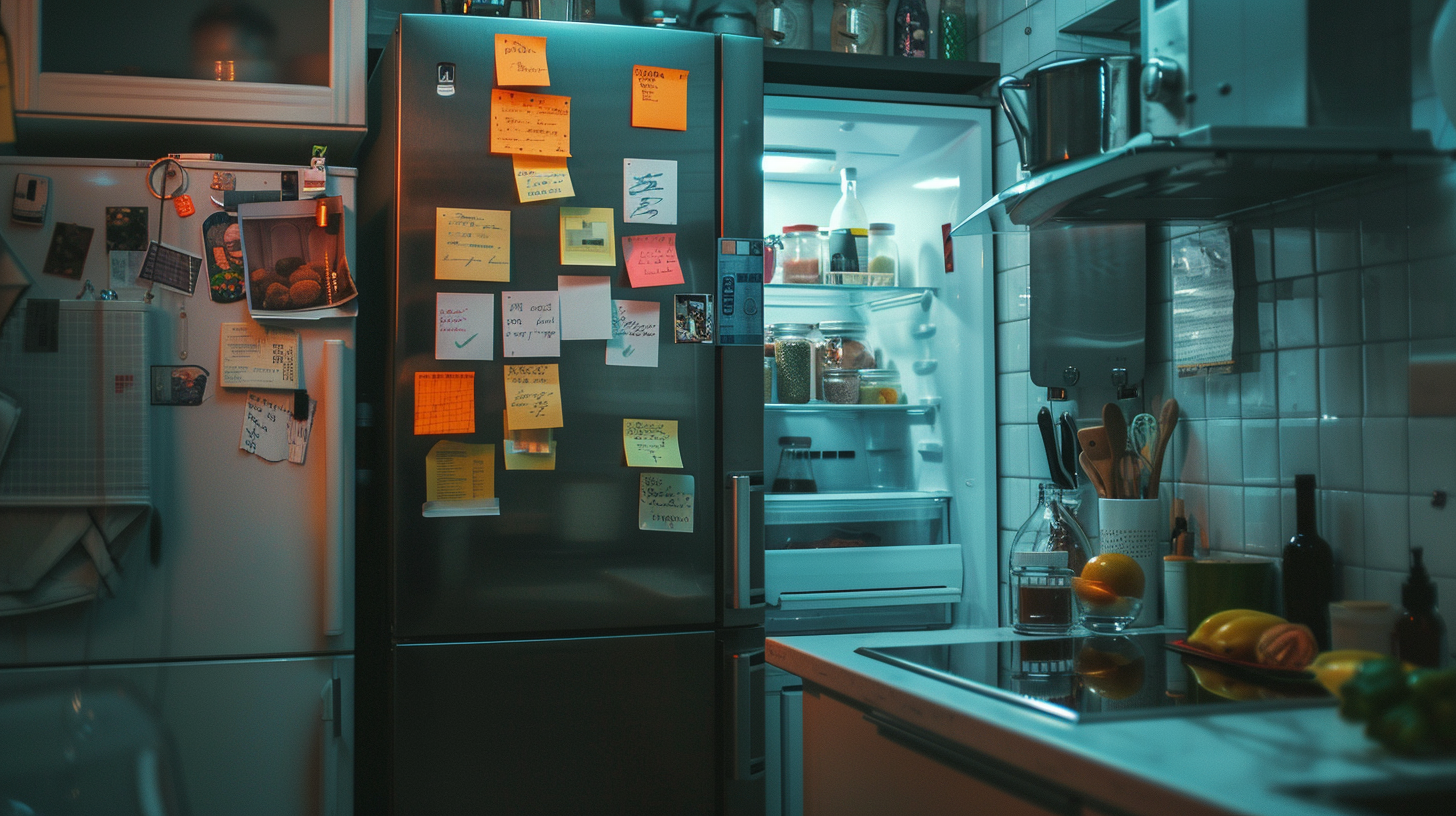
(652,260)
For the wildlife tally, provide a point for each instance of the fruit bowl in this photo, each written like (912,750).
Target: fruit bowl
(1109,593)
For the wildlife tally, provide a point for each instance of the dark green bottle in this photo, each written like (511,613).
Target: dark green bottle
(1309,568)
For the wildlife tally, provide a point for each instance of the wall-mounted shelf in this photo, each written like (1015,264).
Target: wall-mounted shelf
(794,66)
(1208,174)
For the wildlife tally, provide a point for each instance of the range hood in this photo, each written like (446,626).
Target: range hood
(1207,174)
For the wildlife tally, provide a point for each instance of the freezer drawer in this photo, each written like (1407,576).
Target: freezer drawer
(605,725)
(222,738)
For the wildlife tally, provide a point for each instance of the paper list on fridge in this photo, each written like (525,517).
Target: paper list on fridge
(472,244)
(659,98)
(652,260)
(529,324)
(444,402)
(588,236)
(651,443)
(457,471)
(635,329)
(534,124)
(665,502)
(255,356)
(539,178)
(521,61)
(649,191)
(464,326)
(586,306)
(271,432)
(533,396)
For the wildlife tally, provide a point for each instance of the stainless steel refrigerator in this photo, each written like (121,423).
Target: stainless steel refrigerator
(557,658)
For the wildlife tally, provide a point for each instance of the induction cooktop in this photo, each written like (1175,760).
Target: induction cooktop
(1102,677)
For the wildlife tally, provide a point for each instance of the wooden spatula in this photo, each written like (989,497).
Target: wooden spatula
(1096,453)
(1116,425)
(1167,420)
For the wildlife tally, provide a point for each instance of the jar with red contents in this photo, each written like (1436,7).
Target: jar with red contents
(800,254)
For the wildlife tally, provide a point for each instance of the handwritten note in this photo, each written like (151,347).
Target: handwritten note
(464,326)
(649,191)
(659,98)
(530,325)
(588,236)
(539,178)
(635,327)
(255,356)
(651,443)
(271,432)
(534,124)
(456,471)
(533,396)
(472,244)
(444,402)
(586,307)
(652,260)
(665,502)
(520,60)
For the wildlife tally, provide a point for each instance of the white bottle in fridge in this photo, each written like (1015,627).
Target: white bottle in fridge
(849,233)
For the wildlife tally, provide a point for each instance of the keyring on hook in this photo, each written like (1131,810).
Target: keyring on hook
(162,193)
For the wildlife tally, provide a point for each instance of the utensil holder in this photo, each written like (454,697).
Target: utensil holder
(1137,528)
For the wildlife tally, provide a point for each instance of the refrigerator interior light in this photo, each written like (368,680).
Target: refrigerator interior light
(937,183)
(782,160)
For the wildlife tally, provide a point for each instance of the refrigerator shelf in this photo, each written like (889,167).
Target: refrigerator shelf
(832,294)
(832,407)
(858,496)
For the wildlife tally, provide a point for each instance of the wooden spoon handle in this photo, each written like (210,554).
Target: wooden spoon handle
(1093,473)
(1167,420)
(1116,425)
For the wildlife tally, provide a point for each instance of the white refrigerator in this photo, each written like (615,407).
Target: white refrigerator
(212,671)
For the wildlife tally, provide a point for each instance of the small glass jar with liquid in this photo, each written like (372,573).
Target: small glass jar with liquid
(1041,593)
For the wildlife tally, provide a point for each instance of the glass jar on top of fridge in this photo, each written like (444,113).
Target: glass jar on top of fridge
(786,23)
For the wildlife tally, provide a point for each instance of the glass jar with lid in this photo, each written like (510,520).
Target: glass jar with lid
(794,362)
(786,23)
(879,386)
(800,254)
(858,26)
(841,386)
(1041,593)
(884,265)
(841,344)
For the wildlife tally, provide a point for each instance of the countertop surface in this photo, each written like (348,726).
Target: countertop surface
(1235,763)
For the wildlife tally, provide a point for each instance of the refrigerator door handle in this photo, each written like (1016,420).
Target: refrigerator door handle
(338,476)
(746,591)
(747,725)
(332,727)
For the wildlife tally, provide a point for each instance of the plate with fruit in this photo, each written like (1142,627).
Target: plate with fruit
(1255,642)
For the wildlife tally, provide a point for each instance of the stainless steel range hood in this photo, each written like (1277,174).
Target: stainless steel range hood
(1207,174)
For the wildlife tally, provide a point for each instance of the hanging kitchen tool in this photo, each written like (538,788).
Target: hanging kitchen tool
(1167,420)
(1142,434)
(1068,443)
(1049,441)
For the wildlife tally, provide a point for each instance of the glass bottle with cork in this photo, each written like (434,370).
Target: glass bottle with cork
(1309,567)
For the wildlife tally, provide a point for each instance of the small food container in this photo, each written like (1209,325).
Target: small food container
(879,386)
(841,386)
(800,254)
(794,362)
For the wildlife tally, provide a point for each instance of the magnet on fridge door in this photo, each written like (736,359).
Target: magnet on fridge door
(32,199)
(692,318)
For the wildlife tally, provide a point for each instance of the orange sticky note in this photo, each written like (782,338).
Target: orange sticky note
(520,60)
(533,124)
(659,98)
(652,260)
(533,396)
(444,402)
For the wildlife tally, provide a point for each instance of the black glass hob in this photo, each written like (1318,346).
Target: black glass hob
(1098,678)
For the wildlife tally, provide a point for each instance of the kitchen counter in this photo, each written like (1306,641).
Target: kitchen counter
(1236,763)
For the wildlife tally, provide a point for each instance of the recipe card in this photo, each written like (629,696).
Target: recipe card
(458,471)
(464,326)
(649,191)
(588,236)
(534,124)
(520,60)
(635,327)
(472,244)
(533,396)
(659,98)
(665,502)
(529,326)
(652,260)
(651,443)
(540,178)
(270,431)
(255,356)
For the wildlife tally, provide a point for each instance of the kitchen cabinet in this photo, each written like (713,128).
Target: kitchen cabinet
(866,762)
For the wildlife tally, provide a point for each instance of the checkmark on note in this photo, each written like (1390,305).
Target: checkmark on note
(462,344)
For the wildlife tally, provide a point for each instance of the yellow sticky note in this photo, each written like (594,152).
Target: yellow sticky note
(520,60)
(665,502)
(533,396)
(534,124)
(659,98)
(541,177)
(588,236)
(472,244)
(651,443)
(456,471)
(444,402)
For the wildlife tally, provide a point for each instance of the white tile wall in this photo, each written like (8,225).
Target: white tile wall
(1331,294)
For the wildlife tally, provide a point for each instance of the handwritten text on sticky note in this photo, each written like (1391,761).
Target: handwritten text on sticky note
(649,191)
(635,327)
(539,178)
(444,402)
(472,244)
(464,326)
(520,60)
(533,396)
(529,324)
(651,443)
(652,260)
(534,124)
(271,432)
(665,502)
(659,98)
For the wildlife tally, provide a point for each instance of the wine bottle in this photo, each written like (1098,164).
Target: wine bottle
(912,28)
(1309,568)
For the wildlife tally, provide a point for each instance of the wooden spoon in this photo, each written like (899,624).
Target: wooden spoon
(1116,425)
(1093,474)
(1096,458)
(1167,419)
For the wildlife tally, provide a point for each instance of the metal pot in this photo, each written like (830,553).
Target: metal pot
(1072,108)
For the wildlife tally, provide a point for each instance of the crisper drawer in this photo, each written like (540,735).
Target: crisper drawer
(855,550)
